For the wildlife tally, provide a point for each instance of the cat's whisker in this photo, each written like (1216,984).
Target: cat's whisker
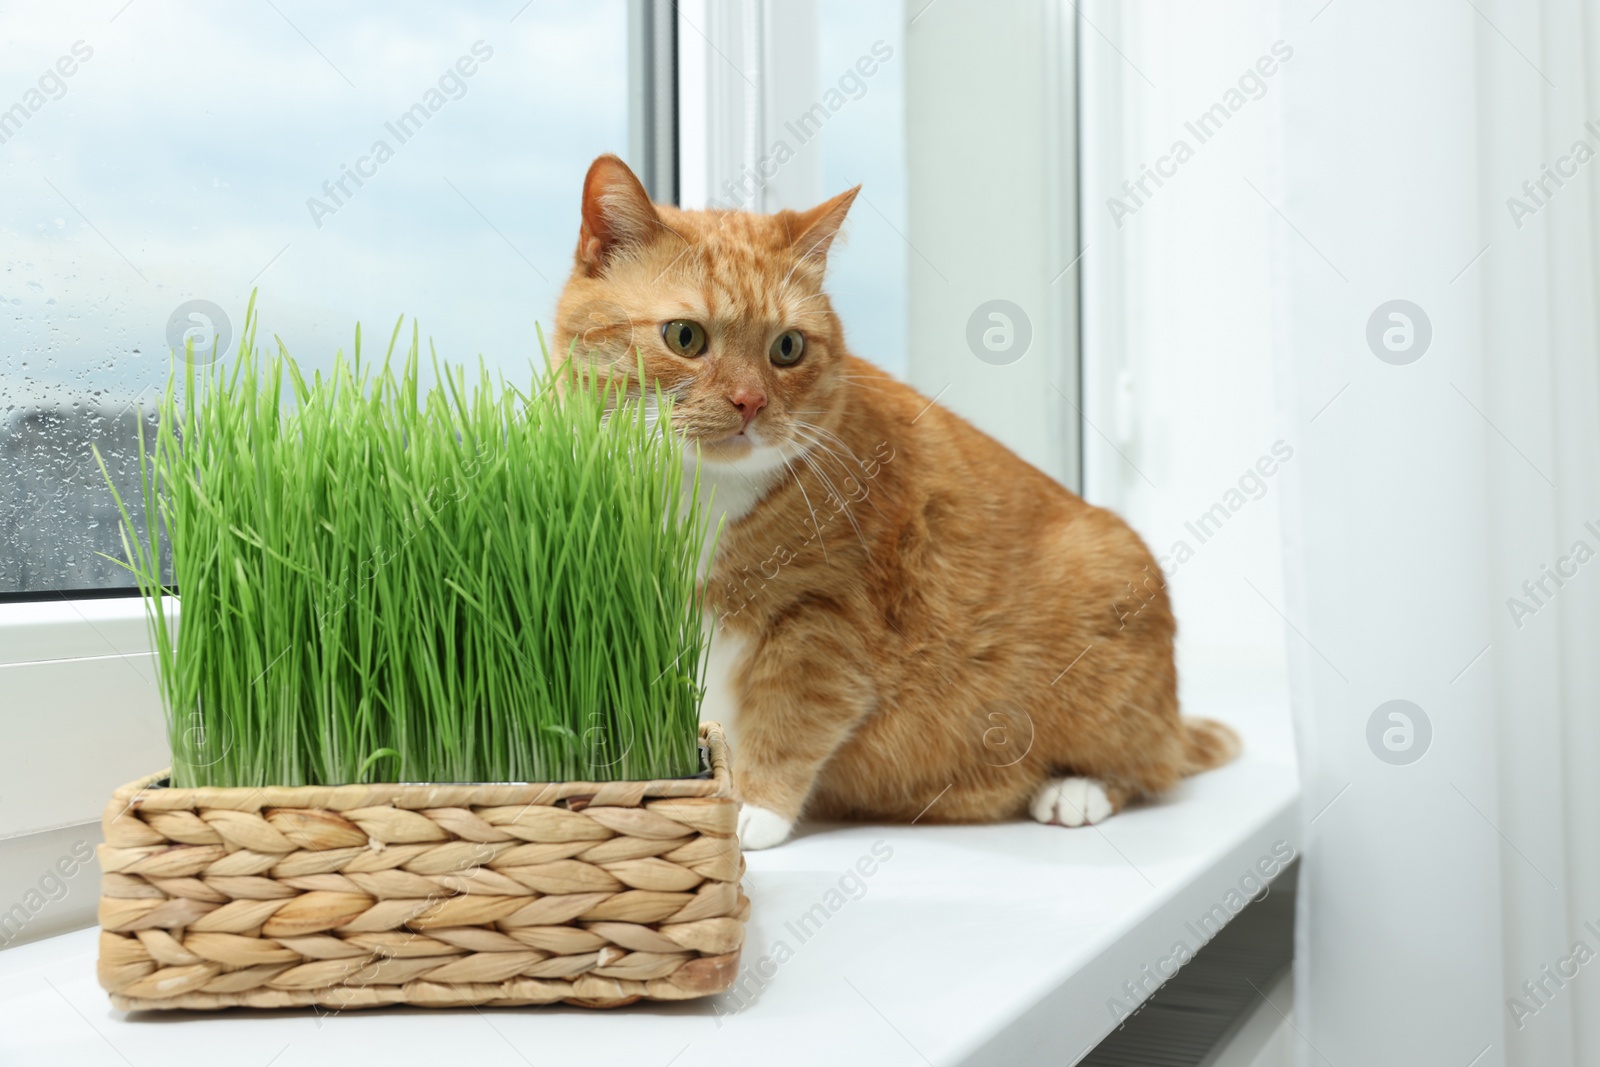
(810,433)
(818,446)
(891,385)
(823,431)
(815,524)
(859,483)
(833,443)
(844,501)
(866,496)
(879,388)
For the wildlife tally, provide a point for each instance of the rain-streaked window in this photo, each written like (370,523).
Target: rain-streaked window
(158,162)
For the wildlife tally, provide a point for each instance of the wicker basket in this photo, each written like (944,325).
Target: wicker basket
(354,896)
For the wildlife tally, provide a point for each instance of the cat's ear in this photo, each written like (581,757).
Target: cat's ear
(812,232)
(617,213)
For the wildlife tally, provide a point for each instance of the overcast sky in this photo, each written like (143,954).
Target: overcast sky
(179,162)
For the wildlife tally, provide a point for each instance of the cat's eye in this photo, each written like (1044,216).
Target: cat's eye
(685,338)
(788,348)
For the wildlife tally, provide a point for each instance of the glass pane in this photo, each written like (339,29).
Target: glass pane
(352,162)
(865,144)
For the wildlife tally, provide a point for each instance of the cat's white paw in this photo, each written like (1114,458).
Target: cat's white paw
(760,828)
(1071,802)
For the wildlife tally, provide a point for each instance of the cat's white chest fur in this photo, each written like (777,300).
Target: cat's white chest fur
(728,652)
(729,492)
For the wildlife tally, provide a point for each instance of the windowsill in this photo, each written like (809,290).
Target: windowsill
(971,944)
(41,631)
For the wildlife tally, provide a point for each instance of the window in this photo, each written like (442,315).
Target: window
(864,144)
(350,162)
(783,104)
(360,163)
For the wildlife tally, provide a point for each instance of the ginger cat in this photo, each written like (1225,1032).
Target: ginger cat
(912,622)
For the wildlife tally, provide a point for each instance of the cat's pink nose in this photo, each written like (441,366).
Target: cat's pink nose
(749,400)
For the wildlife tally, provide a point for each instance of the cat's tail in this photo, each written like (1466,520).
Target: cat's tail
(1207,744)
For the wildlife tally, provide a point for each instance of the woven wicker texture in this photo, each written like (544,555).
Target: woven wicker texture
(596,894)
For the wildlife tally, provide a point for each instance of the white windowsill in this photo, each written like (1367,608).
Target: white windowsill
(82,715)
(36,631)
(972,944)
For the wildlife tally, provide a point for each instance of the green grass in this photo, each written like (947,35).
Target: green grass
(384,582)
